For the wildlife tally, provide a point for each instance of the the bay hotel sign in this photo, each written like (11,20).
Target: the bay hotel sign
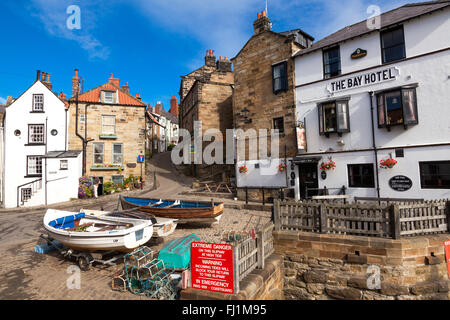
(365,79)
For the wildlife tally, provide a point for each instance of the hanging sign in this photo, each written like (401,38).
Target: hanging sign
(359,53)
(400,183)
(212,267)
(447,255)
(365,79)
(301,138)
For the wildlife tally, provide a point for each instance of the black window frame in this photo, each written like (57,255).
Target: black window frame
(349,171)
(284,77)
(282,121)
(383,33)
(339,131)
(330,75)
(401,90)
(421,174)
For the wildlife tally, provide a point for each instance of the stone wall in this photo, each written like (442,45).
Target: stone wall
(256,195)
(324,266)
(254,91)
(261,284)
(130,132)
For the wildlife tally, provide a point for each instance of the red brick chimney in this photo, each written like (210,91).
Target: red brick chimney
(126,88)
(46,80)
(158,107)
(62,96)
(75,84)
(174,105)
(138,96)
(114,81)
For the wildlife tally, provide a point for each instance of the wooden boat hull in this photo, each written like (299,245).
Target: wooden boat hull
(205,212)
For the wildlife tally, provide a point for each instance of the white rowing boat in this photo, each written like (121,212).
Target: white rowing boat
(83,232)
(161,228)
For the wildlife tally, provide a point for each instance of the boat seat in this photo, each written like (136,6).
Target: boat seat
(112,227)
(155,204)
(81,226)
(176,203)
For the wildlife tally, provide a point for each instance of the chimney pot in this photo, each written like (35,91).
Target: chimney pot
(76,73)
(263,13)
(38,75)
(259,15)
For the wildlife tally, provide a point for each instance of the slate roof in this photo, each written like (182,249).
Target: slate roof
(390,18)
(63,154)
(170,116)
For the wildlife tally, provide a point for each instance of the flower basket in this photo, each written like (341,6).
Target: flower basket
(388,163)
(282,167)
(331,165)
(243,169)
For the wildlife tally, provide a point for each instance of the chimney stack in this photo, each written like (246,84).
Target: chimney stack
(262,24)
(126,88)
(46,80)
(38,75)
(158,107)
(224,65)
(210,58)
(114,81)
(75,84)
(138,96)
(174,106)
(62,96)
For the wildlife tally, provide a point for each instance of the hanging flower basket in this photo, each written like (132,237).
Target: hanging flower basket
(388,163)
(243,169)
(328,165)
(282,167)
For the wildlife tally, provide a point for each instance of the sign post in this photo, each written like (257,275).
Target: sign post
(447,255)
(141,160)
(212,267)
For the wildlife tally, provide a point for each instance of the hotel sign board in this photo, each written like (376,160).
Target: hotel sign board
(400,183)
(365,79)
(212,267)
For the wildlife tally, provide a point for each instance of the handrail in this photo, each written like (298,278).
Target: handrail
(23,185)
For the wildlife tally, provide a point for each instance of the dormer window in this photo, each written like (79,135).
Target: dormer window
(108,97)
(38,103)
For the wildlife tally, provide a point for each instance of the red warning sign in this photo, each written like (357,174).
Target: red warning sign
(447,255)
(212,267)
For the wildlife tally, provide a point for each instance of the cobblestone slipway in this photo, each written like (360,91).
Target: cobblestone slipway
(25,274)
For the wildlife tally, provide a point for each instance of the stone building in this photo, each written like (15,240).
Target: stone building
(111,126)
(206,96)
(264,98)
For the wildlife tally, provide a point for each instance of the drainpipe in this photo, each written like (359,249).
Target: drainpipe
(65,133)
(83,139)
(375,150)
(45,159)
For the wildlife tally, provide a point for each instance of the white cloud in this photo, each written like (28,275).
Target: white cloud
(52,14)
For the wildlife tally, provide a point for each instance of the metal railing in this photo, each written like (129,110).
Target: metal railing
(33,185)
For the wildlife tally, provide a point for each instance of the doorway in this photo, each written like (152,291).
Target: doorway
(308,179)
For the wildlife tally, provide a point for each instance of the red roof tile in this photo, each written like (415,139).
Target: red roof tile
(93,95)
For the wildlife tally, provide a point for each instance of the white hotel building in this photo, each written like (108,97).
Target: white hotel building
(365,95)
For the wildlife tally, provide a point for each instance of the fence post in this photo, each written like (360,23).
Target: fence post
(394,219)
(277,213)
(447,213)
(260,246)
(323,218)
(236,267)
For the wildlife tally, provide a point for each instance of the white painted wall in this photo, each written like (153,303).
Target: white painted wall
(18,117)
(63,184)
(267,175)
(430,72)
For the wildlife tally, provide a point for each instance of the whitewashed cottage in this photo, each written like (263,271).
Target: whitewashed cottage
(367,96)
(38,167)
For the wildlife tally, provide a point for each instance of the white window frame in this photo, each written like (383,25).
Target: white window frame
(63,164)
(112,99)
(38,106)
(117,154)
(95,153)
(36,137)
(36,163)
(103,125)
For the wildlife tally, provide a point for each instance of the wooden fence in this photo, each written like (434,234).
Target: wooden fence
(250,253)
(391,220)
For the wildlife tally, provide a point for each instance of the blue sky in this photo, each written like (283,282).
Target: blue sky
(148,43)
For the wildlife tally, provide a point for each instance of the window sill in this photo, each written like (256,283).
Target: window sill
(104,136)
(34,144)
(101,168)
(37,111)
(33,176)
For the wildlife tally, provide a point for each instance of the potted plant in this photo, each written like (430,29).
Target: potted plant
(243,169)
(282,167)
(330,165)
(388,163)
